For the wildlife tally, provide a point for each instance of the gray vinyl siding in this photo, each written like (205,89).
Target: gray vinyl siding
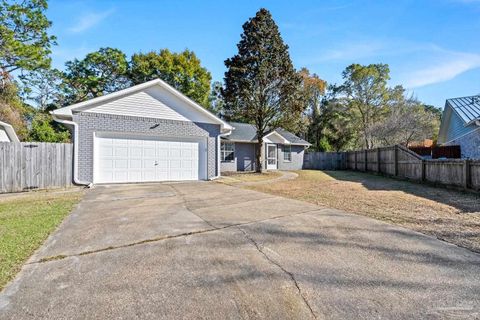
(244,158)
(457,127)
(297,158)
(469,144)
(89,123)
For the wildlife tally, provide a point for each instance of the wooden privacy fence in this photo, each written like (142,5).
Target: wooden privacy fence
(399,161)
(27,166)
(324,160)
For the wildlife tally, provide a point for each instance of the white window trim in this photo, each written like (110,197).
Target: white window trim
(289,152)
(222,152)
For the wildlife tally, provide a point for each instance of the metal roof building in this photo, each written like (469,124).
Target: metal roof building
(461,125)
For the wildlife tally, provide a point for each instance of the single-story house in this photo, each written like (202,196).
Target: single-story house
(149,132)
(461,125)
(7,133)
(283,150)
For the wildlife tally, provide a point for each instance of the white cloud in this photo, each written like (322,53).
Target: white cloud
(89,20)
(450,65)
(350,51)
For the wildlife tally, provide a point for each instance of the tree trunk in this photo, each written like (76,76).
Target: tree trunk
(259,156)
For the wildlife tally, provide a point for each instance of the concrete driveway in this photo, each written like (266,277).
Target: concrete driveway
(205,250)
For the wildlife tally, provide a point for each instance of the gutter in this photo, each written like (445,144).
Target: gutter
(76,180)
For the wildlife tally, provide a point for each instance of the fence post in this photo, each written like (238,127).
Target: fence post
(366,161)
(378,160)
(396,161)
(423,170)
(466,173)
(355,167)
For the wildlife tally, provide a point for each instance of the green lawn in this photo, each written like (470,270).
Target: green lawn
(26,220)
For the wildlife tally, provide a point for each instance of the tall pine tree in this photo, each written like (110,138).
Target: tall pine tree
(261,84)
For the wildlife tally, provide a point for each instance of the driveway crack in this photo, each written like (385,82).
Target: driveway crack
(182,196)
(278,265)
(162,238)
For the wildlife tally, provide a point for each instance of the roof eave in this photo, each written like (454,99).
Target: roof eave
(12,135)
(68,110)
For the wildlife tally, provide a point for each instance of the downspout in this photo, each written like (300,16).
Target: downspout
(219,140)
(76,180)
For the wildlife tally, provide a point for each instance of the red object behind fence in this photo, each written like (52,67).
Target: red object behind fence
(422,151)
(449,152)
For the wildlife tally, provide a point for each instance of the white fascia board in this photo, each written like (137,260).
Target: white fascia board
(274,133)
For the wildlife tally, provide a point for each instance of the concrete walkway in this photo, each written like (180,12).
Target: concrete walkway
(206,250)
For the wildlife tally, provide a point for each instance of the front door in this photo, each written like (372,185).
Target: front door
(271,157)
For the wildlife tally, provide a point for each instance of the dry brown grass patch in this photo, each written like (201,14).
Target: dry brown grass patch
(451,215)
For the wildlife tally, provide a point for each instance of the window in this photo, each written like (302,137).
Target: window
(227,151)
(287,153)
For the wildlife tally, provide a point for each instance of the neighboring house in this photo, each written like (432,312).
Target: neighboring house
(461,125)
(283,150)
(149,132)
(7,133)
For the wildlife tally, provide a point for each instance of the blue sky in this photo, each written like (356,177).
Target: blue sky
(432,47)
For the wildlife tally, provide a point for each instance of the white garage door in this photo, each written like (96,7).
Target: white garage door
(142,160)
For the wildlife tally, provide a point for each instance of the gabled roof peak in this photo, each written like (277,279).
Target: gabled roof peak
(66,112)
(468,108)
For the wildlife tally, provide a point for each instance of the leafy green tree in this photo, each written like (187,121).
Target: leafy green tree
(407,120)
(331,126)
(217,103)
(261,84)
(24,41)
(100,72)
(42,88)
(312,90)
(183,71)
(337,125)
(367,95)
(45,129)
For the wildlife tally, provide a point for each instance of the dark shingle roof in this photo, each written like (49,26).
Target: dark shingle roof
(245,132)
(468,108)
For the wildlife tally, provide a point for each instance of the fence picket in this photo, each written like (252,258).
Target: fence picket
(402,162)
(34,165)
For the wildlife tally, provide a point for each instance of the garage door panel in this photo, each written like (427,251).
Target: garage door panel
(162,165)
(121,164)
(106,151)
(186,175)
(175,164)
(135,176)
(136,152)
(175,152)
(162,153)
(137,160)
(106,164)
(136,164)
(175,175)
(121,151)
(106,175)
(149,152)
(120,176)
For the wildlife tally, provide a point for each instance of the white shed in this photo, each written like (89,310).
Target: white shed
(7,134)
